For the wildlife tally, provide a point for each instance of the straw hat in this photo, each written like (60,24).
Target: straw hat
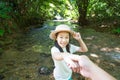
(60,28)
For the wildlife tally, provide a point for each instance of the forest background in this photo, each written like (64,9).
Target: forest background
(25,45)
(17,16)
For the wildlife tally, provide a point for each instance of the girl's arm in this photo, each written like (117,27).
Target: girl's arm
(59,55)
(62,55)
(66,58)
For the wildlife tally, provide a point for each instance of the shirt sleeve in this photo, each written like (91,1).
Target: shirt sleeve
(73,48)
(54,50)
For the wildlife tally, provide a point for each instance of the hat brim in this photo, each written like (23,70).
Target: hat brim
(53,33)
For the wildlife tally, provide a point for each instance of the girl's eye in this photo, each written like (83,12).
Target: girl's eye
(67,37)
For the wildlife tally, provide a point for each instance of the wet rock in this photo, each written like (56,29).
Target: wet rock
(44,70)
(27,76)
(2,77)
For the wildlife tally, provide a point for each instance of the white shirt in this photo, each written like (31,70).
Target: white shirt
(61,70)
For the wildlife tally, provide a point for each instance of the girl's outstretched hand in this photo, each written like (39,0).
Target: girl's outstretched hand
(77,68)
(70,62)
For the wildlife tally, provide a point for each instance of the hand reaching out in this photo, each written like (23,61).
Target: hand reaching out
(89,70)
(83,66)
(75,69)
(70,62)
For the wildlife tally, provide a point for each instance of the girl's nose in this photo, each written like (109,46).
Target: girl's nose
(64,40)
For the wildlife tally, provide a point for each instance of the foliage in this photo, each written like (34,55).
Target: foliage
(23,13)
(1,32)
(7,23)
(63,8)
(4,10)
(116,31)
(103,8)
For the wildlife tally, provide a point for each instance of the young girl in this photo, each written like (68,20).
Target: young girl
(62,51)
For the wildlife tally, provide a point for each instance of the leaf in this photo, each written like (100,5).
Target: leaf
(1,32)
(117,30)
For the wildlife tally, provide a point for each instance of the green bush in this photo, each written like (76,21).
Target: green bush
(1,32)
(5,10)
(116,31)
(6,24)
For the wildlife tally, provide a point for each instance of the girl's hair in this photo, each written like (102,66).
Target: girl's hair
(61,50)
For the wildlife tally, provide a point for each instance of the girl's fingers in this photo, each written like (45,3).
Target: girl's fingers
(78,67)
(77,35)
(75,67)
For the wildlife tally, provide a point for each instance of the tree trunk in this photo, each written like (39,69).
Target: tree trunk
(82,9)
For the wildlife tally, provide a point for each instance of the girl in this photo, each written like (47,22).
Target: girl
(62,51)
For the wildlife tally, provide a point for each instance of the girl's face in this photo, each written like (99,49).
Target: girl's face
(63,39)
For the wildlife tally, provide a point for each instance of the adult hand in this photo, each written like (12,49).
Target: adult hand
(83,66)
(89,70)
(75,69)
(86,66)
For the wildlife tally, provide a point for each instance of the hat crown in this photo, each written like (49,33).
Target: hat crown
(60,28)
(63,27)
